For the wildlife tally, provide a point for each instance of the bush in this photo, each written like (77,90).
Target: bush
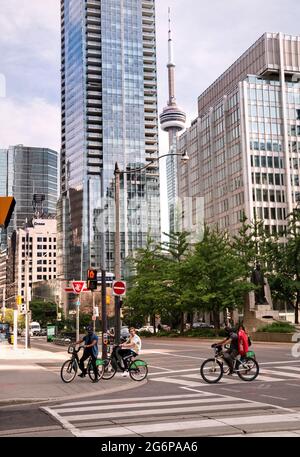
(145,334)
(278,327)
(205,333)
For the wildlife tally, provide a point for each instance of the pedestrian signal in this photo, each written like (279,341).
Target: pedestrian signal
(92,279)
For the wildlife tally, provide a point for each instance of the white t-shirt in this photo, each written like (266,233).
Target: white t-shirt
(137,343)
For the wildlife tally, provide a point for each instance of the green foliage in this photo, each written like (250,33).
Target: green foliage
(9,318)
(43,312)
(278,327)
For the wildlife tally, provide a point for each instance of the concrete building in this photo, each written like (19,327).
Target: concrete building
(35,255)
(244,147)
(172,121)
(109,115)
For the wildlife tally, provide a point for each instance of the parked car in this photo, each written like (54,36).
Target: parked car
(202,325)
(43,332)
(146,328)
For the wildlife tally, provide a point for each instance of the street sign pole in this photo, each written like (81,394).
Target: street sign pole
(15,328)
(77,318)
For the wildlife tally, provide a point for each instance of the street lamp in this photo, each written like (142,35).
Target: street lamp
(117,173)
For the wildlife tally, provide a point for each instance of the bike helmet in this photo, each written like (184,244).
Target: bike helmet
(89,329)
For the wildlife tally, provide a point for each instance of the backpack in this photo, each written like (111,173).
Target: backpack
(249,341)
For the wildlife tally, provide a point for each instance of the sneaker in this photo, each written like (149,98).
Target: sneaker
(95,380)
(125,374)
(82,375)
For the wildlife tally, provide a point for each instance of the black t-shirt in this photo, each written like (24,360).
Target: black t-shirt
(234,346)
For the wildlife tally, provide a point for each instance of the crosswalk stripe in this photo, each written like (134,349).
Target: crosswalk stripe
(289,368)
(177,381)
(152,412)
(146,404)
(281,373)
(188,425)
(118,400)
(223,380)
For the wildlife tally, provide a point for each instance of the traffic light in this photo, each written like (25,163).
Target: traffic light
(92,279)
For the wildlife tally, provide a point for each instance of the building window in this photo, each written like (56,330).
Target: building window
(45,277)
(39,277)
(39,269)
(39,240)
(266,213)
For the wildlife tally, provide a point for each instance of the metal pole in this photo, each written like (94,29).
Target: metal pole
(117,250)
(15,329)
(103,274)
(94,312)
(27,343)
(77,317)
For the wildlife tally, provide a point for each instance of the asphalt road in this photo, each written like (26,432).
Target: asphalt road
(176,402)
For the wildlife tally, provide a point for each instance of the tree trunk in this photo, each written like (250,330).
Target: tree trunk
(297,307)
(153,323)
(216,314)
(182,323)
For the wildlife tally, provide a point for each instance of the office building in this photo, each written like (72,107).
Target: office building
(29,175)
(37,245)
(109,115)
(172,121)
(244,147)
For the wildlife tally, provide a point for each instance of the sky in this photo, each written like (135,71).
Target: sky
(208,37)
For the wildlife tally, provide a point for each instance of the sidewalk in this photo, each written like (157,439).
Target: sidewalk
(34,376)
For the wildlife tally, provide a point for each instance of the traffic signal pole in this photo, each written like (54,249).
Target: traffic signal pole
(117,251)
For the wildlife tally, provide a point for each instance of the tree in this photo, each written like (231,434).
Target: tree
(285,275)
(215,276)
(146,291)
(43,312)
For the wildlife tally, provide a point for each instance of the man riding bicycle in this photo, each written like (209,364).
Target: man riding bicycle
(90,341)
(233,351)
(130,348)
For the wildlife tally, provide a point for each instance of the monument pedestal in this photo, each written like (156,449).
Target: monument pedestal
(256,316)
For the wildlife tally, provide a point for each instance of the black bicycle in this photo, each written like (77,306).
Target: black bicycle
(212,370)
(70,367)
(107,368)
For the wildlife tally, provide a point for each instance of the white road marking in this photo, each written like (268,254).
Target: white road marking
(178,371)
(281,373)
(290,368)
(160,412)
(118,400)
(276,398)
(144,405)
(160,368)
(189,425)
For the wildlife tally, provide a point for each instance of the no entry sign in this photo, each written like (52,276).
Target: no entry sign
(119,288)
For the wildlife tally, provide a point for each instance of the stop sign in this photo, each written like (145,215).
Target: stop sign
(119,288)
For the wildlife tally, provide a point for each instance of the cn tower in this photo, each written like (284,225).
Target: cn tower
(172,120)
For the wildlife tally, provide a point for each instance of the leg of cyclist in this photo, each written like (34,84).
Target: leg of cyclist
(125,354)
(94,358)
(84,357)
(229,357)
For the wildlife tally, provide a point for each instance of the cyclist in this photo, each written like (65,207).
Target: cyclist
(90,341)
(130,348)
(233,351)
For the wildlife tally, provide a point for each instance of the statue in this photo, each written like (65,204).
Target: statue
(257,278)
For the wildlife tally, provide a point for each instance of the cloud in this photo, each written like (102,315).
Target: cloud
(36,123)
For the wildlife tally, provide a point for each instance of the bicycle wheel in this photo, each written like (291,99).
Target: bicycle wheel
(91,373)
(68,371)
(211,371)
(138,370)
(248,369)
(107,370)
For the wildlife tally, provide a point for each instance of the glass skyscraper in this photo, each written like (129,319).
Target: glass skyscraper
(109,115)
(30,176)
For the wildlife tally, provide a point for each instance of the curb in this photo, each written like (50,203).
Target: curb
(32,401)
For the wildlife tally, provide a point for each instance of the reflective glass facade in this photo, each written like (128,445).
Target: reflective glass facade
(26,171)
(244,147)
(109,115)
